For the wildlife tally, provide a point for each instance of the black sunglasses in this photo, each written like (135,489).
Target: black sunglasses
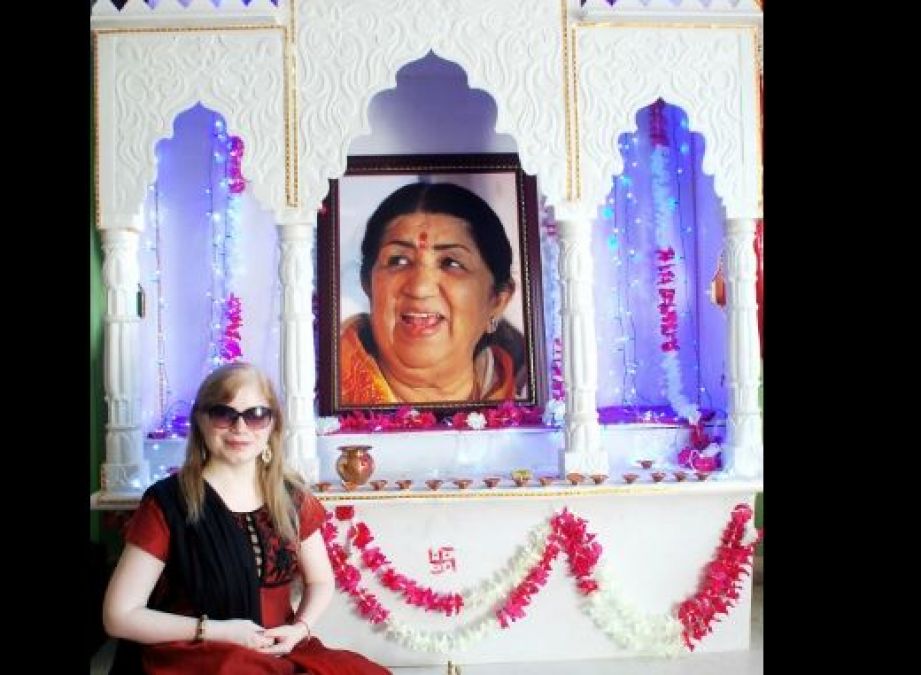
(223,416)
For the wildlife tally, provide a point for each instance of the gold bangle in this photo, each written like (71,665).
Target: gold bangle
(200,628)
(304,623)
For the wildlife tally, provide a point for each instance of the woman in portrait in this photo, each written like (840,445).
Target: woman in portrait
(436,267)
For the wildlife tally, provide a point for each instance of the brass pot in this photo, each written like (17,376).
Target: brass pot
(355,463)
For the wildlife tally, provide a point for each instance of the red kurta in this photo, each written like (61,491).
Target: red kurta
(148,530)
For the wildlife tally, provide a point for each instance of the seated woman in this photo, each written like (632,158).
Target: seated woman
(436,267)
(204,582)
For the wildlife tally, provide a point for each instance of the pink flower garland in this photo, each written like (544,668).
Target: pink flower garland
(507,414)
(233,320)
(228,348)
(697,455)
(557,384)
(236,183)
(720,587)
(568,534)
(406,418)
(402,419)
(413,593)
(348,577)
(718,592)
(668,314)
(665,278)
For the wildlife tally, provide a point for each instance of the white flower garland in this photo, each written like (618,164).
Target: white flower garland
(620,621)
(486,592)
(514,572)
(505,578)
(441,642)
(629,628)
(663,220)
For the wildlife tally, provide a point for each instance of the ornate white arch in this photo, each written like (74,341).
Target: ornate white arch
(712,74)
(350,51)
(145,77)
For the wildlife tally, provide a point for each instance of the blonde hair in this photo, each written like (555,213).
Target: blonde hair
(275,479)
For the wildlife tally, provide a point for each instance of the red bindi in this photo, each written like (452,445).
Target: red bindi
(423,239)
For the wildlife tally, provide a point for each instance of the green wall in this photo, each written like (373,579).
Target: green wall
(97,402)
(97,315)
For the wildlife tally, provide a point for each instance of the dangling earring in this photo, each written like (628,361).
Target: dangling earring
(204,455)
(267,455)
(493,325)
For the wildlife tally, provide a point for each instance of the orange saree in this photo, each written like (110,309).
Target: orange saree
(362,382)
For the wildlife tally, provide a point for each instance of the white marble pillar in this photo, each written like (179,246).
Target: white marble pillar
(298,364)
(125,469)
(583,451)
(745,445)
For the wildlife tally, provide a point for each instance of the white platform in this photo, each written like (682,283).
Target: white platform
(656,540)
(449,454)
(497,452)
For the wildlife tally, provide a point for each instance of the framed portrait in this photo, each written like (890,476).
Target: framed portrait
(429,285)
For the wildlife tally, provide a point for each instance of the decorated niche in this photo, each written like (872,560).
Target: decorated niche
(581,91)
(208,277)
(658,240)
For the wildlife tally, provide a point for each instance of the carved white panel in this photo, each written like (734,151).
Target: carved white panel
(710,12)
(671,8)
(351,49)
(181,11)
(709,72)
(146,78)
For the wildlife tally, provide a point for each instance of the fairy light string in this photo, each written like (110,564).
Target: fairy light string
(224,186)
(226,302)
(163,390)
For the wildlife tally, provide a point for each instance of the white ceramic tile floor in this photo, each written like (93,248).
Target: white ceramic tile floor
(749,662)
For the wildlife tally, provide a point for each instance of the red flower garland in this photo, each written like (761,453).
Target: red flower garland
(665,279)
(348,577)
(720,587)
(405,418)
(402,419)
(568,534)
(413,593)
(233,320)
(668,314)
(236,183)
(691,455)
(557,383)
(717,594)
(507,414)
